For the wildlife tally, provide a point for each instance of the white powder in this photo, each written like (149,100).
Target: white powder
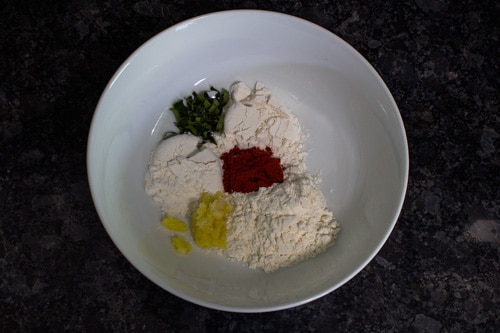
(271,228)
(281,225)
(255,118)
(179,172)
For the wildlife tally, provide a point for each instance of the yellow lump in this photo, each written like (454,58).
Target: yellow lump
(174,224)
(181,245)
(209,221)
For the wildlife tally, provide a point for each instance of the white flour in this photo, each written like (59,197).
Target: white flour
(271,228)
(289,222)
(255,118)
(178,172)
(281,225)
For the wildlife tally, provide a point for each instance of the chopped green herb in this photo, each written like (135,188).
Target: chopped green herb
(201,113)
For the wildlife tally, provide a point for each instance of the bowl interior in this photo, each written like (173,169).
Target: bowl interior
(356,143)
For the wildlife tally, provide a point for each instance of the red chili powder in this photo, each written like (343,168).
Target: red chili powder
(245,170)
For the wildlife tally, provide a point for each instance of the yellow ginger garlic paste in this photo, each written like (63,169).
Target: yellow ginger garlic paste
(209,221)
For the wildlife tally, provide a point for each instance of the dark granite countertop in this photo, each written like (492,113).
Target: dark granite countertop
(439,270)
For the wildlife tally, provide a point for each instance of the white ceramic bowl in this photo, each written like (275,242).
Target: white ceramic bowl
(357,143)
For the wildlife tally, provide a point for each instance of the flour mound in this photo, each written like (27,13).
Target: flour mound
(281,225)
(286,223)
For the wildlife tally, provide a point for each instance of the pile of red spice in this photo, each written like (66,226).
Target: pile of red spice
(245,170)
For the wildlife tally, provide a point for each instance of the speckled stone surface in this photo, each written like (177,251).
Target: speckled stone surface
(439,270)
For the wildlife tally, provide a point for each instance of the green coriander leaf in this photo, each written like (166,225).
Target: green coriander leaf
(201,113)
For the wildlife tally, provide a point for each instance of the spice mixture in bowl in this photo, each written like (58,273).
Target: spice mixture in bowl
(268,211)
(255,177)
